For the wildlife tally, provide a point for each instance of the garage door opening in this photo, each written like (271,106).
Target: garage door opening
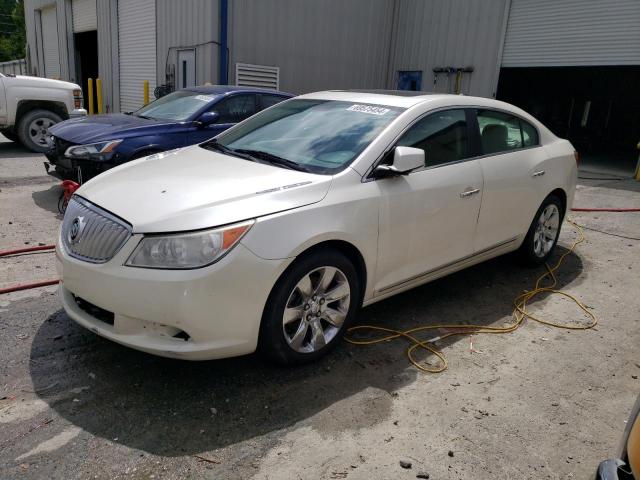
(86,44)
(596,108)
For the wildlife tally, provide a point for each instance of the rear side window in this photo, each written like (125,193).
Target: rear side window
(267,101)
(499,132)
(529,134)
(442,135)
(235,109)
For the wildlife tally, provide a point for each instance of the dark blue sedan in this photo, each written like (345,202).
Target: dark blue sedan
(84,147)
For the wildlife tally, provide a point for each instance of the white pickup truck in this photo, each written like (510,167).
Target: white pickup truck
(30,105)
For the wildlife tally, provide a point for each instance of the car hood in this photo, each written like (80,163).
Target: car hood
(97,128)
(194,188)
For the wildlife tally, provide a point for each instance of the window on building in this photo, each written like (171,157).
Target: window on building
(442,135)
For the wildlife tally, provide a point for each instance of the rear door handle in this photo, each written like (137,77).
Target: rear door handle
(468,193)
(538,174)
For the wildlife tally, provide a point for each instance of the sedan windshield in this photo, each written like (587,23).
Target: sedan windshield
(319,136)
(177,106)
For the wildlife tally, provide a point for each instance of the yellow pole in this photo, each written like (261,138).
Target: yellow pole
(90,84)
(145,87)
(99,95)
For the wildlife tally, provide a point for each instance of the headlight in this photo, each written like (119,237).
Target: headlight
(187,250)
(92,149)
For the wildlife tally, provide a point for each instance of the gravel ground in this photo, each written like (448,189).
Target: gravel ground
(538,403)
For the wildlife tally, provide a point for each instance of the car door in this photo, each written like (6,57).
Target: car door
(232,109)
(512,167)
(428,218)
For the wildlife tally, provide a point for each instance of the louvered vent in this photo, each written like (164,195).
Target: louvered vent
(261,76)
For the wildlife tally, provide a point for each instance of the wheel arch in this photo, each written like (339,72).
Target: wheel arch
(562,195)
(25,106)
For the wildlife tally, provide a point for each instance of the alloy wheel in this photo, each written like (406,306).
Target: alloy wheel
(546,230)
(316,309)
(38,129)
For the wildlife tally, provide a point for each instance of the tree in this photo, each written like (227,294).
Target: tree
(12,32)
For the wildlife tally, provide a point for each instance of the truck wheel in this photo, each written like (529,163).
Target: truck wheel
(10,135)
(33,127)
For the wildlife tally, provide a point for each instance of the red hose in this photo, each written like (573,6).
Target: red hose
(4,253)
(27,286)
(605,209)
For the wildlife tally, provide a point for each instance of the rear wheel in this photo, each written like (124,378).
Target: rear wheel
(544,231)
(33,129)
(310,308)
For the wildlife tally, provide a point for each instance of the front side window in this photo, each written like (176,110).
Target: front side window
(320,136)
(177,106)
(499,131)
(235,109)
(442,135)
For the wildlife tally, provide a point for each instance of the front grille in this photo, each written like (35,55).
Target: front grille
(96,312)
(90,233)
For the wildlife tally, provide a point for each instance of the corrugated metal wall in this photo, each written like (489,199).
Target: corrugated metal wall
(35,50)
(84,15)
(572,33)
(14,67)
(318,45)
(450,33)
(192,24)
(108,60)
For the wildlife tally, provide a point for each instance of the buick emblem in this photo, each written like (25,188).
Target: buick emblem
(76,229)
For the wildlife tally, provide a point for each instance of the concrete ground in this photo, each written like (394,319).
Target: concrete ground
(538,403)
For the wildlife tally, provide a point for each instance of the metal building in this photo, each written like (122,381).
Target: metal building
(553,57)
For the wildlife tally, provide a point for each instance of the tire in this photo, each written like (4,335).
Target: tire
(32,129)
(298,340)
(543,233)
(11,135)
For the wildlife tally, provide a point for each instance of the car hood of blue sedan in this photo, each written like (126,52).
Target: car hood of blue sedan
(97,128)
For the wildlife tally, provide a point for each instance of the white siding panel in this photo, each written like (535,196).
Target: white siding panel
(50,47)
(572,33)
(84,15)
(137,47)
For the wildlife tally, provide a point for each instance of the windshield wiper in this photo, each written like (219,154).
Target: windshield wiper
(218,147)
(145,117)
(272,159)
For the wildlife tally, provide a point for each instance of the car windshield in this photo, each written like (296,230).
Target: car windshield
(319,136)
(177,106)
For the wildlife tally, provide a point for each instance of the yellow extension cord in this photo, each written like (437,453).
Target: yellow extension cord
(519,314)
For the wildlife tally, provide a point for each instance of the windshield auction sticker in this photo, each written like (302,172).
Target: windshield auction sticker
(368,109)
(204,98)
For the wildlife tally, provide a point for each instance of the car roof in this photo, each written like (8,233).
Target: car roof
(394,98)
(225,89)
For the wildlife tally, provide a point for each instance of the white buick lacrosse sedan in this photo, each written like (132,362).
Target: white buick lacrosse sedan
(272,235)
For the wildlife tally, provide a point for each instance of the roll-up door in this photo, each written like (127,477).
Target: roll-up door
(50,48)
(137,48)
(84,15)
(572,33)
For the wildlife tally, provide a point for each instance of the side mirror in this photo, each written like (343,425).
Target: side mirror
(405,161)
(208,118)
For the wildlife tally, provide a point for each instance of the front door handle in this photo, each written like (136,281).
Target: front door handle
(468,193)
(538,174)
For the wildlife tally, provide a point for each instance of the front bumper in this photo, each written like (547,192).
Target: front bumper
(613,469)
(78,112)
(200,314)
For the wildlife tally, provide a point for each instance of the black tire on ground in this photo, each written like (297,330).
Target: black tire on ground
(527,251)
(36,117)
(10,135)
(272,342)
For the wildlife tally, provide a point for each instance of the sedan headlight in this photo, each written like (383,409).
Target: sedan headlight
(84,151)
(187,250)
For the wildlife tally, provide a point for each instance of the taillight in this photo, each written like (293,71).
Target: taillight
(576,155)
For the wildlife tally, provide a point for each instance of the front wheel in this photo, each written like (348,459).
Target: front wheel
(310,308)
(543,233)
(33,129)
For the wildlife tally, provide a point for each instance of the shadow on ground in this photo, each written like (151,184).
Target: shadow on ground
(48,199)
(161,406)
(13,149)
